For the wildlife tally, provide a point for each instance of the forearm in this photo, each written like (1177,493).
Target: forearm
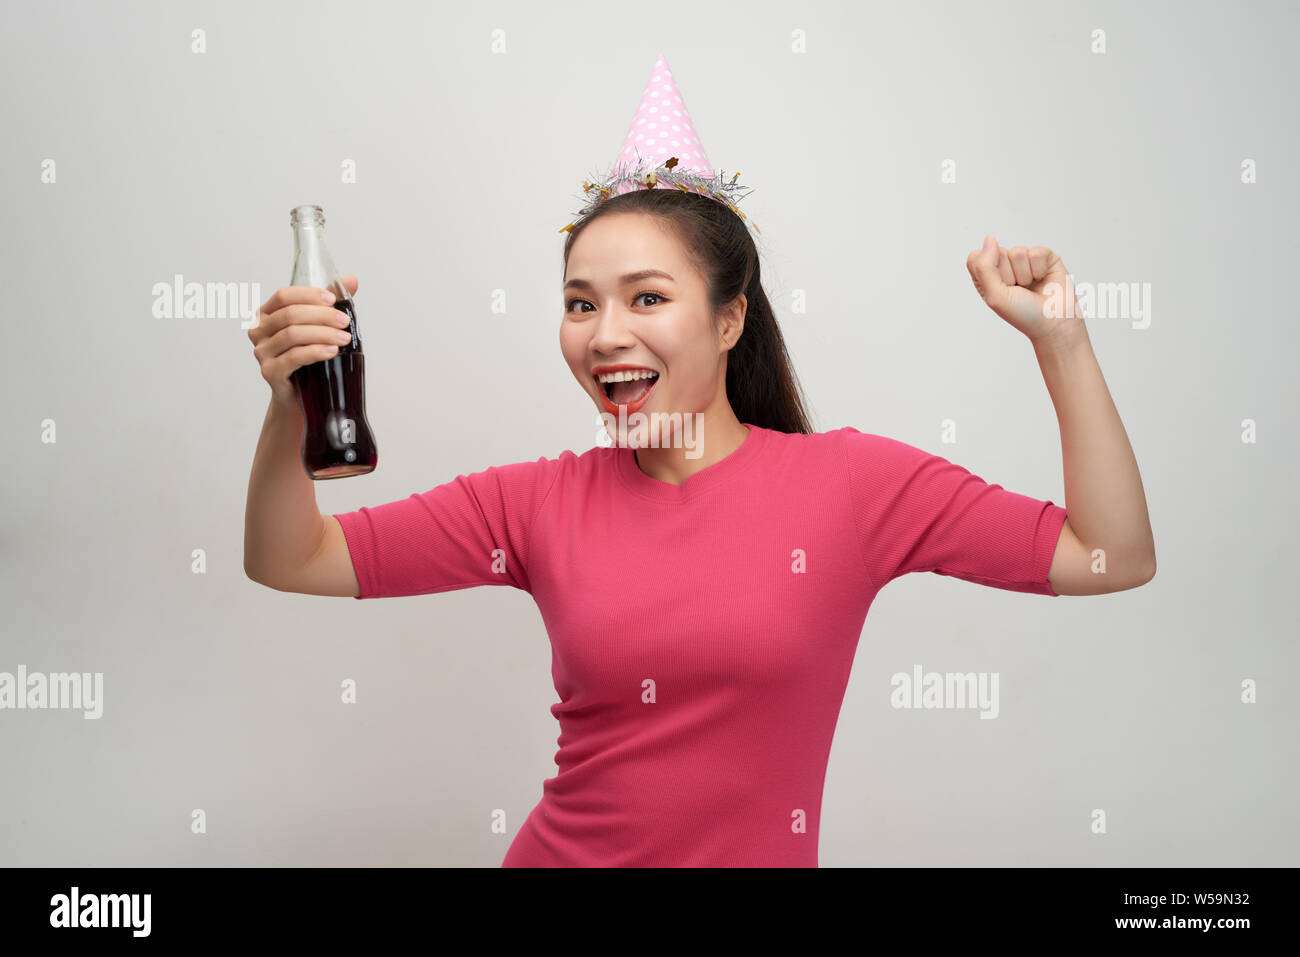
(1104,498)
(282,523)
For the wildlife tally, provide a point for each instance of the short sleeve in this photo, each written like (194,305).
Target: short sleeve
(919,512)
(473,530)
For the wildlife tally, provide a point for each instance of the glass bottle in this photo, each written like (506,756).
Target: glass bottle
(337,442)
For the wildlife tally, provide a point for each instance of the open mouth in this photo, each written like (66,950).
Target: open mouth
(628,388)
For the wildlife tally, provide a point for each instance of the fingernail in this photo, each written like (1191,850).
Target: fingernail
(326,297)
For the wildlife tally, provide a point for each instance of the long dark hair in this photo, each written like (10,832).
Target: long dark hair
(761,385)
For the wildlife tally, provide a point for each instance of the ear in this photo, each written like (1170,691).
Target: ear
(732,321)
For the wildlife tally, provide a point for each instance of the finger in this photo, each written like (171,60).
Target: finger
(304,314)
(350,284)
(299,334)
(283,365)
(1019,257)
(1004,267)
(984,271)
(288,295)
(1040,261)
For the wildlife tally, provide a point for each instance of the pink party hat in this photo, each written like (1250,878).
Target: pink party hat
(662,128)
(661,151)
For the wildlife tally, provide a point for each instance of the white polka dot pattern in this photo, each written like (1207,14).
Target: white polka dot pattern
(662,128)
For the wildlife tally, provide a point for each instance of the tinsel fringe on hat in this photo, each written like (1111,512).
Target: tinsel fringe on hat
(640,173)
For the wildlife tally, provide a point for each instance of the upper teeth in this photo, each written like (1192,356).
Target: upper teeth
(626,376)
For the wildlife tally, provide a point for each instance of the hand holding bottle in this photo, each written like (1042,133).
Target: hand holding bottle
(296,327)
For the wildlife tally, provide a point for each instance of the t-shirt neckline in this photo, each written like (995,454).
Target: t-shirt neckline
(707,478)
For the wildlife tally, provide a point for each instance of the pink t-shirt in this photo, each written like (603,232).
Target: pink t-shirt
(702,634)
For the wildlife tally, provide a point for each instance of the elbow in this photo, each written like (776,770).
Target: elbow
(1134,572)
(1147,570)
(275,584)
(252,574)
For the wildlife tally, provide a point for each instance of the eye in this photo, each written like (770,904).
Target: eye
(568,306)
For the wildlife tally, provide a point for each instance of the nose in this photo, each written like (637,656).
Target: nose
(612,332)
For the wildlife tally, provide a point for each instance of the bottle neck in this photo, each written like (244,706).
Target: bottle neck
(312,265)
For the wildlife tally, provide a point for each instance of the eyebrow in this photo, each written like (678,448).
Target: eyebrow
(626,280)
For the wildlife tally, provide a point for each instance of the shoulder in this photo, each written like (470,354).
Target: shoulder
(831,452)
(804,442)
(834,444)
(549,468)
(850,443)
(566,467)
(881,449)
(877,463)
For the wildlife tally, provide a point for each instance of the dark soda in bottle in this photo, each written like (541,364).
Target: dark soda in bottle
(337,442)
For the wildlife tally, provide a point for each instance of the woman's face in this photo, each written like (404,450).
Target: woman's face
(617,314)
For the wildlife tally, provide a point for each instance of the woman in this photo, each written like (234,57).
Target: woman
(703,597)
